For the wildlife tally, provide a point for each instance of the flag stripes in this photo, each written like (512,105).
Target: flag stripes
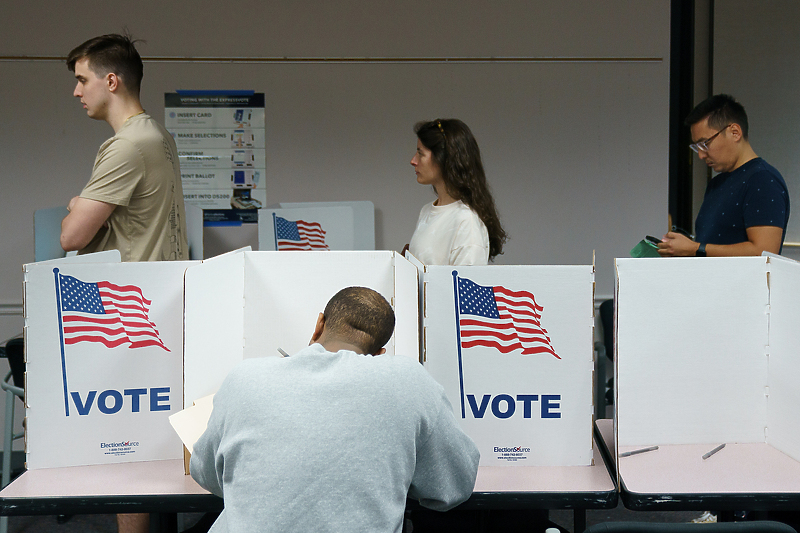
(497,317)
(299,235)
(106,313)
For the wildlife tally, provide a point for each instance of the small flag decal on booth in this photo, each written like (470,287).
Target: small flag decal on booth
(298,235)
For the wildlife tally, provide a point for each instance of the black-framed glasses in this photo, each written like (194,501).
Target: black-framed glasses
(703,145)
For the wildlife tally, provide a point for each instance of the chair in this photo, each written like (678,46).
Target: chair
(719,527)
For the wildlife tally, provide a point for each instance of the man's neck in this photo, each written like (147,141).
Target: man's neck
(335,345)
(747,154)
(121,111)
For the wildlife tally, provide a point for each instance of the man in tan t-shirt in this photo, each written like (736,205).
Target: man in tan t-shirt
(134,200)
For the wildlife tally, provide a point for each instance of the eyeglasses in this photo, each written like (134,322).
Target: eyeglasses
(703,145)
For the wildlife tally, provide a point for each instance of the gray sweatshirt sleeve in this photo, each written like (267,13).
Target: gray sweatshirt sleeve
(203,464)
(447,460)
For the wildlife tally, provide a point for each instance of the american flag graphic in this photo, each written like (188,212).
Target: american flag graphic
(499,318)
(113,315)
(299,235)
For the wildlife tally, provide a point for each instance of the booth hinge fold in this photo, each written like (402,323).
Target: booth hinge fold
(424,344)
(424,299)
(24,301)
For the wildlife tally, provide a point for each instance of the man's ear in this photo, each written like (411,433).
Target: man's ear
(318,329)
(112,82)
(736,131)
(380,352)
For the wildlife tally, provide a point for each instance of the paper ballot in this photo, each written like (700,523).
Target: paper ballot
(190,423)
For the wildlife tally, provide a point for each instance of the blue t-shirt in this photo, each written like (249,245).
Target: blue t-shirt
(752,195)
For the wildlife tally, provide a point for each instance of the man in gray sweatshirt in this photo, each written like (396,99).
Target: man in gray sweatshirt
(332,438)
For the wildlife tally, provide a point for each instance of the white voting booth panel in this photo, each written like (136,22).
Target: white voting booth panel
(363,219)
(513,348)
(104,354)
(707,352)
(249,304)
(307,228)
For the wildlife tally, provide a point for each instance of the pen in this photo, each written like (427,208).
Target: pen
(712,452)
(283,353)
(643,450)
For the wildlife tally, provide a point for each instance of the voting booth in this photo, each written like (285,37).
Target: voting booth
(513,348)
(110,344)
(104,360)
(306,229)
(251,304)
(707,355)
(317,226)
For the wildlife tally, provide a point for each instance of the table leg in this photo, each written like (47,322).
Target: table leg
(163,522)
(579,520)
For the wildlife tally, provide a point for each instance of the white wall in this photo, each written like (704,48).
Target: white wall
(573,134)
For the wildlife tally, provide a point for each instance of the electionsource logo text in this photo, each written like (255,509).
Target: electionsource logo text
(119,448)
(515,449)
(118,444)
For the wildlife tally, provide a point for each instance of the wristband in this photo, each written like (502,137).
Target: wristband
(701,251)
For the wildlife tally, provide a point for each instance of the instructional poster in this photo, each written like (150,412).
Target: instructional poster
(221,146)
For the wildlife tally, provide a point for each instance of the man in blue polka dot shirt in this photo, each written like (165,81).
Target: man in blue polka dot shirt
(746,206)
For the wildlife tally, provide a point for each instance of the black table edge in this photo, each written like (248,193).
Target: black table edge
(168,503)
(759,501)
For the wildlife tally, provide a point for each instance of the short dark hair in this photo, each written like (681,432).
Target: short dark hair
(361,316)
(112,53)
(721,110)
(456,151)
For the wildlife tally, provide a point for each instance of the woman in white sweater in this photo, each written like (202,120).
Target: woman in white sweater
(461,226)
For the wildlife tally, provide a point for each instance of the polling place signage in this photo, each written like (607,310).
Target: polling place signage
(104,361)
(512,346)
(221,143)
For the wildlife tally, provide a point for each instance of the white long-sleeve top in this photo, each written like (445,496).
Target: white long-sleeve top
(451,234)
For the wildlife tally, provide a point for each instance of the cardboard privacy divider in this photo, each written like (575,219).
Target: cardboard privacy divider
(707,353)
(104,354)
(250,304)
(513,348)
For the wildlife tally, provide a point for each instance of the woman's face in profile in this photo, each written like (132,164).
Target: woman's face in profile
(426,168)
